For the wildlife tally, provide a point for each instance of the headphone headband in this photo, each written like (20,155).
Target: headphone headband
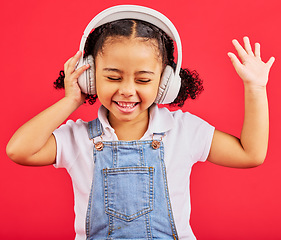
(135,12)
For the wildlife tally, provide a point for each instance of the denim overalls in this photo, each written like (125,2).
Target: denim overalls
(129,197)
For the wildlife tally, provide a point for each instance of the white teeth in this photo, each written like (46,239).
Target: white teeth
(126,105)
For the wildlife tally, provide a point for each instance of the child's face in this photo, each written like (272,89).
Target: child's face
(128,73)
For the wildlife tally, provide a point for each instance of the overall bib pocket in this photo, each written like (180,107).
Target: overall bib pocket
(124,197)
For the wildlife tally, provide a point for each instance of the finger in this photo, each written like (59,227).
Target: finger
(234,59)
(80,70)
(270,62)
(240,50)
(257,50)
(67,63)
(75,59)
(72,61)
(247,46)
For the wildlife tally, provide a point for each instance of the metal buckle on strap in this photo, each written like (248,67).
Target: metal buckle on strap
(99,144)
(156,143)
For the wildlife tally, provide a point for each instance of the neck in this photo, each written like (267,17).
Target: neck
(130,130)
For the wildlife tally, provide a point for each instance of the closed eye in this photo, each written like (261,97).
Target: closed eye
(143,80)
(113,79)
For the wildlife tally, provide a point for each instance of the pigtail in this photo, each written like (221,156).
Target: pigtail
(191,87)
(59,83)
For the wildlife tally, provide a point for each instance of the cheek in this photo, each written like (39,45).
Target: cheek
(151,92)
(101,89)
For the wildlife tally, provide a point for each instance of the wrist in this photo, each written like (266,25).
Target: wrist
(72,102)
(255,95)
(250,87)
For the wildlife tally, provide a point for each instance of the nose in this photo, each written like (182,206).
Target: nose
(127,88)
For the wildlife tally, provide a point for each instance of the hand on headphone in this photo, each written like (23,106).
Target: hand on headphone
(72,89)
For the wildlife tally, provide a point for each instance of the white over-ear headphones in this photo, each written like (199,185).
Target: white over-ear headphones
(170,81)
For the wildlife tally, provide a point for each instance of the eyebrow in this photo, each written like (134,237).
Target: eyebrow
(120,71)
(112,70)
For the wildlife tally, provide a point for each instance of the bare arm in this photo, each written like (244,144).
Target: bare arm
(250,150)
(33,143)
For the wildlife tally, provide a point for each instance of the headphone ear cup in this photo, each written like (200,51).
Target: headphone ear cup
(91,75)
(86,80)
(165,78)
(169,86)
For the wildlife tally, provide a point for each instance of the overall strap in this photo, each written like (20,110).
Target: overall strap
(94,128)
(161,134)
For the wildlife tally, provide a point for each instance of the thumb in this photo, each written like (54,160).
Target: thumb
(270,62)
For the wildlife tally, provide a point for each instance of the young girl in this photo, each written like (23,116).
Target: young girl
(130,167)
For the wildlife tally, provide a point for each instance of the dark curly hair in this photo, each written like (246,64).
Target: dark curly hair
(191,84)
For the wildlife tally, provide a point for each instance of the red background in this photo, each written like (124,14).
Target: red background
(39,36)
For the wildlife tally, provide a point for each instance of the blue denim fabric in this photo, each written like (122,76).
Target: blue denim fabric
(129,196)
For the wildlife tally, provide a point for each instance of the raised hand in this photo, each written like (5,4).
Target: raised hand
(252,70)
(72,89)
(250,150)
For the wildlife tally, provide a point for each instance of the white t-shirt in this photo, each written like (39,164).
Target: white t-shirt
(188,140)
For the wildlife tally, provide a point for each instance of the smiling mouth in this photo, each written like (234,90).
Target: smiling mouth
(126,106)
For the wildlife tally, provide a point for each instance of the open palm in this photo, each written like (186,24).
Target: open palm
(250,67)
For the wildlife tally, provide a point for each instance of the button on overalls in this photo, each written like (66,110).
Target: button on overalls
(129,196)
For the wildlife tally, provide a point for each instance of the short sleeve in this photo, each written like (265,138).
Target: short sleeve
(202,136)
(69,140)
(195,134)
